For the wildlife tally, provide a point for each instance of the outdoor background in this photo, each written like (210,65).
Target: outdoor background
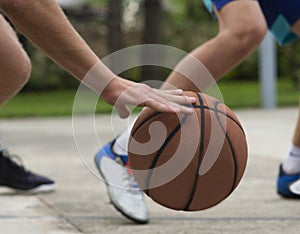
(110,25)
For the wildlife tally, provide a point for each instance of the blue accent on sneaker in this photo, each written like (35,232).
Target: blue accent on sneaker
(283,184)
(107,151)
(123,190)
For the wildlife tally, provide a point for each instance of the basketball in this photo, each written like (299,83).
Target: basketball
(188,162)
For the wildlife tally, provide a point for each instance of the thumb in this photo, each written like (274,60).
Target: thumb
(123,111)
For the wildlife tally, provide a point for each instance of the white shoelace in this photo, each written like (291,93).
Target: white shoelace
(133,186)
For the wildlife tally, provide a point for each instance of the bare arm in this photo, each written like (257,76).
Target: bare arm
(45,24)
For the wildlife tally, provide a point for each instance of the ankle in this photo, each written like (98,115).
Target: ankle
(291,163)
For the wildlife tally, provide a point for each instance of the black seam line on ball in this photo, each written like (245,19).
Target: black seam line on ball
(158,154)
(231,148)
(221,112)
(201,150)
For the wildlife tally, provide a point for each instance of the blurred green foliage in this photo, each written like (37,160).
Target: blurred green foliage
(185,24)
(236,94)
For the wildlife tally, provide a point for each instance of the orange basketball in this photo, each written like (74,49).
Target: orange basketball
(188,162)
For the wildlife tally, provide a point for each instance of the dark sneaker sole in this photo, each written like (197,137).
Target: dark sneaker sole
(138,221)
(40,189)
(294,196)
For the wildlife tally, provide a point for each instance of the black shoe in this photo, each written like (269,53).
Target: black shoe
(16,177)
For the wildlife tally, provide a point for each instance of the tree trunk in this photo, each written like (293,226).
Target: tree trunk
(114,19)
(152,35)
(190,9)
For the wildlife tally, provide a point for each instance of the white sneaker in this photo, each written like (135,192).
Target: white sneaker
(123,190)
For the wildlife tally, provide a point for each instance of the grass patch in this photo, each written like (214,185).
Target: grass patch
(248,94)
(239,94)
(60,103)
(50,103)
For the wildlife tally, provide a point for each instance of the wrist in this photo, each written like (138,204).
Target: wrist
(98,78)
(112,90)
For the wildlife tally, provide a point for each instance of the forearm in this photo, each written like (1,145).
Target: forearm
(44,23)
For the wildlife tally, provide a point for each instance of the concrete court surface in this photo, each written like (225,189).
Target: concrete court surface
(80,203)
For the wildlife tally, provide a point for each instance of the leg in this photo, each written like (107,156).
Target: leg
(239,34)
(296,138)
(291,164)
(15,67)
(15,70)
(288,181)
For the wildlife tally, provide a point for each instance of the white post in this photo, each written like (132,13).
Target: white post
(268,72)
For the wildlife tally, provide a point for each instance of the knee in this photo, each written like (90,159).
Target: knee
(13,77)
(251,36)
(247,37)
(21,72)
(25,71)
